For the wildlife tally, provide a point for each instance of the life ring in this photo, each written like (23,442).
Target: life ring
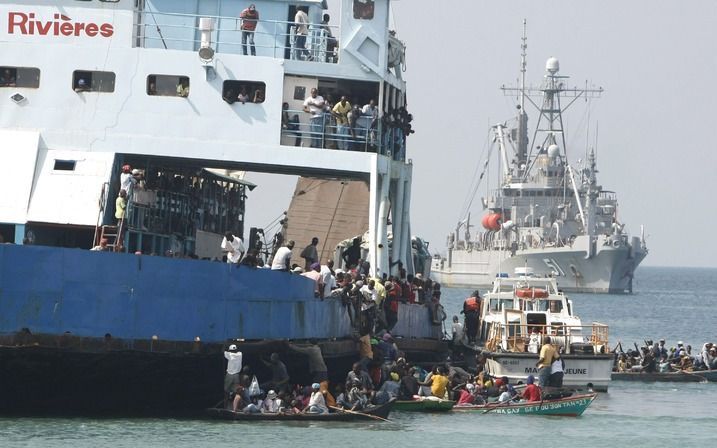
(616,244)
(531,293)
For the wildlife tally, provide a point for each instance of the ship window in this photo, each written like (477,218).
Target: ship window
(243,91)
(20,77)
(363,9)
(93,81)
(299,93)
(65,165)
(168,85)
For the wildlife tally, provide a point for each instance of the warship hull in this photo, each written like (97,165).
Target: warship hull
(610,270)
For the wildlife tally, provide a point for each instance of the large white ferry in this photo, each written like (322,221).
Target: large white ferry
(545,213)
(180,94)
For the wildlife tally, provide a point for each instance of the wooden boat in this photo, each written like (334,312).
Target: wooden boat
(572,406)
(424,404)
(679,376)
(375,413)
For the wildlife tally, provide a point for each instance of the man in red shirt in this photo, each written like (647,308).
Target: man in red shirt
(249,17)
(531,391)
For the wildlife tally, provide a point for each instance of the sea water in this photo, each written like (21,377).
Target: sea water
(671,303)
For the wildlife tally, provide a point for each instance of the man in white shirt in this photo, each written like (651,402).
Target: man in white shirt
(234,360)
(282,259)
(370,109)
(301,20)
(327,277)
(317,404)
(314,105)
(234,247)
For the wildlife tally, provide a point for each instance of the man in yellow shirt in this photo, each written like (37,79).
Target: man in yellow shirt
(340,111)
(547,356)
(439,382)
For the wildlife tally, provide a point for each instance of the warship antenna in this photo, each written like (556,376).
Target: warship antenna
(523,54)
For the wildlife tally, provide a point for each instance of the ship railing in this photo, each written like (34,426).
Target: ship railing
(366,134)
(523,337)
(272,38)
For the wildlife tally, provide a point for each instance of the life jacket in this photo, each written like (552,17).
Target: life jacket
(471,304)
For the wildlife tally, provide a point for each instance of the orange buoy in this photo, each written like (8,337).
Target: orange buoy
(531,293)
(492,221)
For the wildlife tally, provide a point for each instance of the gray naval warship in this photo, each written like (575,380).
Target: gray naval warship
(545,214)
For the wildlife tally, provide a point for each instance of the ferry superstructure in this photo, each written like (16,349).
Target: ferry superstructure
(90,86)
(545,214)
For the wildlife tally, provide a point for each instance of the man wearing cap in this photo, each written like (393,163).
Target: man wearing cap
(271,403)
(317,404)
(234,360)
(282,259)
(531,391)
(314,273)
(233,246)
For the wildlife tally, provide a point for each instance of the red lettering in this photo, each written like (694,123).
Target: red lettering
(91,29)
(106,30)
(19,22)
(43,28)
(16,19)
(66,29)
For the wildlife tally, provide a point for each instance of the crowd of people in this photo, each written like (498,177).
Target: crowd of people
(655,357)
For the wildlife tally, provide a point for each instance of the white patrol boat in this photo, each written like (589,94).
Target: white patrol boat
(520,312)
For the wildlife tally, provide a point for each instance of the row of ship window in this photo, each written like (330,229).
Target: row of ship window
(157,85)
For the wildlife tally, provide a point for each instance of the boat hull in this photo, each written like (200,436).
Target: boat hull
(677,377)
(610,270)
(581,371)
(424,405)
(566,407)
(376,413)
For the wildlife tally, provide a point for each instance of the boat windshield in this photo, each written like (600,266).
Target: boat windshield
(497,304)
(548,305)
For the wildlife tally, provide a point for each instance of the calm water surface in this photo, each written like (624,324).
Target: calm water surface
(672,303)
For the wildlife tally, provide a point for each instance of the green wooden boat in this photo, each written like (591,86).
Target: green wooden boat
(572,406)
(424,404)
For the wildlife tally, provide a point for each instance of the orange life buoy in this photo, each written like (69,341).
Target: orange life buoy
(531,293)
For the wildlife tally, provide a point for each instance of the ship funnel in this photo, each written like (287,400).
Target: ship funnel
(552,66)
(206,53)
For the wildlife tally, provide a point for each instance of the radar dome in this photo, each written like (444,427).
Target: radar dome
(553,151)
(553,65)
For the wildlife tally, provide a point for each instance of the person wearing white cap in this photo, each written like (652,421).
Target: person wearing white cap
(234,361)
(271,404)
(317,404)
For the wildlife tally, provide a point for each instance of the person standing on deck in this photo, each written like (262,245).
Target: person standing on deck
(249,17)
(310,254)
(282,259)
(471,309)
(121,207)
(547,356)
(314,105)
(301,23)
(234,248)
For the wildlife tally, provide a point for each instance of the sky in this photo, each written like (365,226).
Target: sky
(652,128)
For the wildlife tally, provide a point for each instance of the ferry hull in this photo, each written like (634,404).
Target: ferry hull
(610,270)
(580,370)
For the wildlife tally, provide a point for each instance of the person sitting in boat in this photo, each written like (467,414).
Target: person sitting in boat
(707,357)
(648,363)
(356,398)
(466,395)
(389,389)
(239,402)
(409,385)
(271,404)
(253,406)
(317,404)
(360,375)
(505,395)
(664,365)
(623,364)
(686,363)
(439,383)
(531,391)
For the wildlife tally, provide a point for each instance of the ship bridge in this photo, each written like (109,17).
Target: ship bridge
(89,84)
